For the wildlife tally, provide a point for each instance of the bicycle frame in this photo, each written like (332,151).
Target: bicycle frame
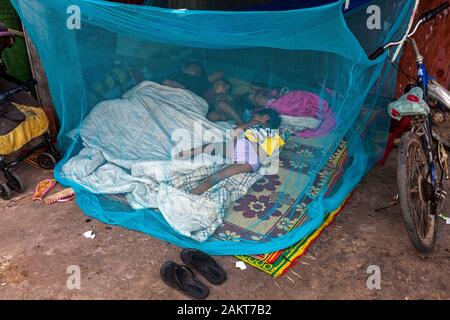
(422,81)
(422,155)
(422,74)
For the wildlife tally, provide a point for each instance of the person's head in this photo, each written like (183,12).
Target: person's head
(221,86)
(268,117)
(192,69)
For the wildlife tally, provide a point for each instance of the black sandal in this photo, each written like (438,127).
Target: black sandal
(205,264)
(182,278)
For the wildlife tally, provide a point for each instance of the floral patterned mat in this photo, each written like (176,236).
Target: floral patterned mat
(279,262)
(278,203)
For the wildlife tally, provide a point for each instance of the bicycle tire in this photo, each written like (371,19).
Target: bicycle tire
(423,239)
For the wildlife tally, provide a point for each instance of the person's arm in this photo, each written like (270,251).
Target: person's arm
(190,154)
(229,112)
(249,124)
(210,148)
(228,171)
(245,126)
(215,116)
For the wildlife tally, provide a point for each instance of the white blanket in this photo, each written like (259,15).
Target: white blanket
(127,150)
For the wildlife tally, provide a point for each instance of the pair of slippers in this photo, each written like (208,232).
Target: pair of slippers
(44,188)
(182,277)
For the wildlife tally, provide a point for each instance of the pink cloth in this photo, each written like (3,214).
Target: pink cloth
(305,104)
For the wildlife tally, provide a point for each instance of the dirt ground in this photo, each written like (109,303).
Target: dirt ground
(38,243)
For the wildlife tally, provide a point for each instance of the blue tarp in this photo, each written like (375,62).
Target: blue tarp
(315,49)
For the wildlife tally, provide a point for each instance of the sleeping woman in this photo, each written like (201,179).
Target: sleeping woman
(242,155)
(221,103)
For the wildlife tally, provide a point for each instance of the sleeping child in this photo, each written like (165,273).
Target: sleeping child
(213,88)
(193,78)
(241,154)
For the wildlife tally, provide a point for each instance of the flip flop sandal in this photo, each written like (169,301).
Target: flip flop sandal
(61,196)
(43,188)
(205,264)
(182,279)
(70,198)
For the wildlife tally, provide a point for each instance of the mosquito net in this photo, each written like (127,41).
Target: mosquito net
(106,63)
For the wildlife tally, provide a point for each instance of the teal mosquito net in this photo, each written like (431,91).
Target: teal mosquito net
(106,61)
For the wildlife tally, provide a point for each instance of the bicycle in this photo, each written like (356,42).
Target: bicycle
(422,158)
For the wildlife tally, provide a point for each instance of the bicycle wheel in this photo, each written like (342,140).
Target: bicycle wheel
(415,193)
